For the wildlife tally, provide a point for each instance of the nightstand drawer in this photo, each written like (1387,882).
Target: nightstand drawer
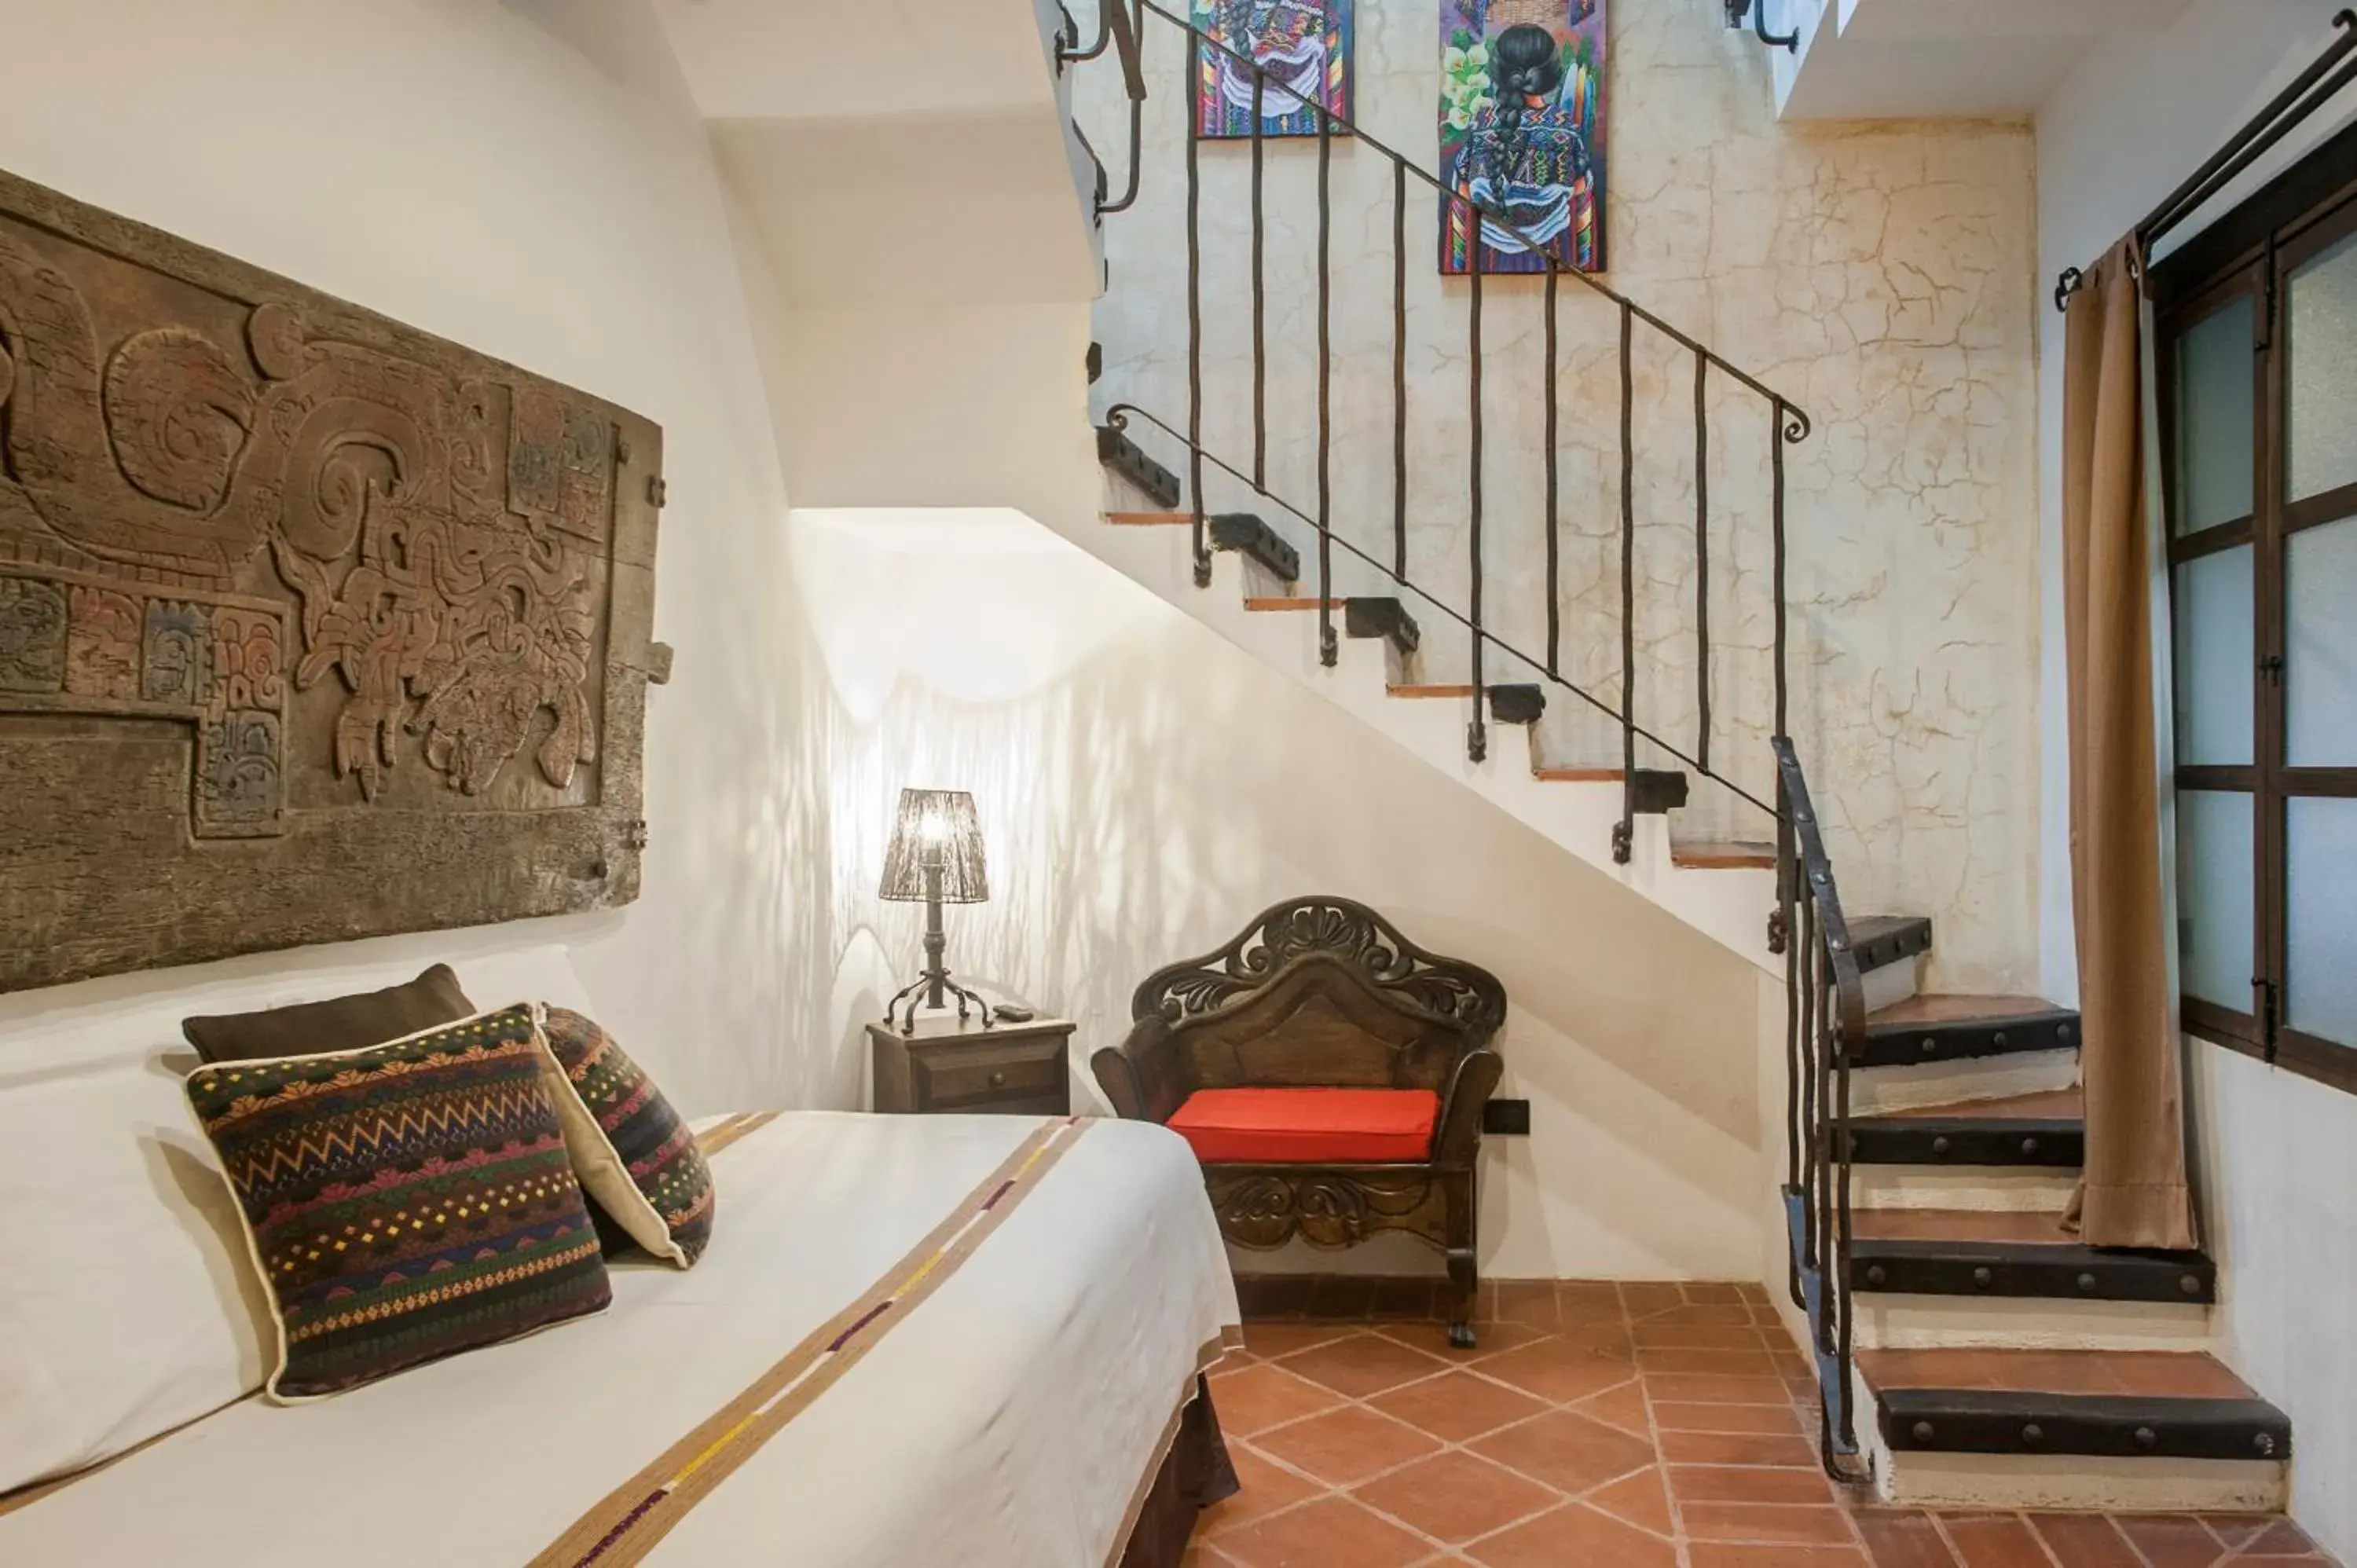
(952,1080)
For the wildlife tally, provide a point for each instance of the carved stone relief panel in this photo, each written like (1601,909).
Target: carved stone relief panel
(312,626)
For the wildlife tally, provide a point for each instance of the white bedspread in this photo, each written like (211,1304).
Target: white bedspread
(1004,1424)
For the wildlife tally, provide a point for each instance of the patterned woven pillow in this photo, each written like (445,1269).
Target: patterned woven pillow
(635,1155)
(404,1201)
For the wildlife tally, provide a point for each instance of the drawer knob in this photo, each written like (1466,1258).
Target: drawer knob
(998,1080)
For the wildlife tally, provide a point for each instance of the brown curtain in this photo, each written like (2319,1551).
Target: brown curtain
(2133,1192)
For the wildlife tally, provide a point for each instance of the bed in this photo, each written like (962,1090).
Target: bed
(914,1341)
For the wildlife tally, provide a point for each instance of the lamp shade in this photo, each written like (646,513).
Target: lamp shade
(935,827)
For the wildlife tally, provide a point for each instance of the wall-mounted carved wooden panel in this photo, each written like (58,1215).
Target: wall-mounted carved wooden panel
(312,626)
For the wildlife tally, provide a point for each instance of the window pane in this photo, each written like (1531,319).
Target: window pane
(2215,864)
(2321,646)
(2322,418)
(2320,993)
(2215,422)
(2211,610)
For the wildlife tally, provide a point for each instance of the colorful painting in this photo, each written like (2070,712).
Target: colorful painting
(1304,46)
(1521,133)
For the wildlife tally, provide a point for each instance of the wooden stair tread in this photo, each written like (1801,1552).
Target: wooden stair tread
(1578,775)
(1429,691)
(2051,1105)
(1941,1008)
(1270,601)
(1148,518)
(2146,1374)
(2033,1229)
(1722,854)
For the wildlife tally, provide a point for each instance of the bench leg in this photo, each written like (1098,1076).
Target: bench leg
(1464,1272)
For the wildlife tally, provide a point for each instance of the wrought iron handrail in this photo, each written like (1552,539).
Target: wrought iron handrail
(1825,1038)
(1789,424)
(1759,9)
(1118,416)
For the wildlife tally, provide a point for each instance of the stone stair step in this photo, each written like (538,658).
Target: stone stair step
(1723,855)
(2042,1129)
(1990,1252)
(2121,1404)
(1947,1028)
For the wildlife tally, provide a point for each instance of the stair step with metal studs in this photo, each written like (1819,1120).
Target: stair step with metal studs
(2043,1129)
(1945,1028)
(2121,1405)
(1880,940)
(1384,618)
(1127,458)
(1723,855)
(1983,1252)
(1511,704)
(1245,533)
(1658,790)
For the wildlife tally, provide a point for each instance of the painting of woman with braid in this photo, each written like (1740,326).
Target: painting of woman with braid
(1522,135)
(1303,48)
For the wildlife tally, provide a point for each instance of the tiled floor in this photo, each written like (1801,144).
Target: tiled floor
(1600,1426)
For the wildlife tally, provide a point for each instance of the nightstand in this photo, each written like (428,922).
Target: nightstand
(1012,1069)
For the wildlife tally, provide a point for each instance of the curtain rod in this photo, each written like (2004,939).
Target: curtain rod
(2272,123)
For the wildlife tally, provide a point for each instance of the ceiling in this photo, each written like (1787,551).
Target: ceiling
(1874,60)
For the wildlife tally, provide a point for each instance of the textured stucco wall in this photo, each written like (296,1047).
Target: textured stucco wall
(1879,276)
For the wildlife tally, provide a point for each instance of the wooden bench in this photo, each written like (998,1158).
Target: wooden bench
(1331,1075)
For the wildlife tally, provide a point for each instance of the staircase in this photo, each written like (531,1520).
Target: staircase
(1971,1352)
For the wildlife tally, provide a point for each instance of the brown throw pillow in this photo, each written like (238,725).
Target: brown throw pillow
(337,1024)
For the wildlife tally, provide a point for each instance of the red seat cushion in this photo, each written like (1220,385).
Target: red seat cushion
(1307,1126)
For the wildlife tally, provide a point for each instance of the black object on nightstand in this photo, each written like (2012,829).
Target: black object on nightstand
(1013,1069)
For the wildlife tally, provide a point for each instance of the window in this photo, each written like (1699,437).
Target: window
(2257,361)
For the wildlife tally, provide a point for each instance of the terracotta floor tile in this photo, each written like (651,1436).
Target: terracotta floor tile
(1655,1334)
(1361,1364)
(1574,1535)
(1748,1484)
(1433,1339)
(1643,1300)
(1825,1526)
(1458,1406)
(1528,1302)
(1707,1554)
(1623,1406)
(1334,1533)
(1900,1539)
(1346,1446)
(1755,1293)
(1751,1362)
(1677,1415)
(2281,1538)
(1700,1294)
(1263,1489)
(2238,1530)
(2172,1541)
(1270,1340)
(1719,1313)
(1454,1497)
(1253,1398)
(1559,1369)
(2084,1540)
(1716,1388)
(1995,1540)
(1568,1452)
(1640,1499)
(1787,1448)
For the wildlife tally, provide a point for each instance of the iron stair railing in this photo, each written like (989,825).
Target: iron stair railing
(1826,1011)
(1759,9)
(1824,1038)
(1788,422)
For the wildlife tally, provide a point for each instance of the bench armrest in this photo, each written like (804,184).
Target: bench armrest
(1458,1133)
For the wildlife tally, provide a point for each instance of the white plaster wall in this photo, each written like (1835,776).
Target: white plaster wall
(1146,786)
(1879,275)
(2273,1151)
(527,178)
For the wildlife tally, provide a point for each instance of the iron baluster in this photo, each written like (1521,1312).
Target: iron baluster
(1328,648)
(1259,289)
(1477,734)
(1776,436)
(1702,559)
(1624,834)
(1399,371)
(1129,42)
(1554,561)
(1194,348)
(1795,1126)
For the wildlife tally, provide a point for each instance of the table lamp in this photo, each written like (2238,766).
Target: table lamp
(936,857)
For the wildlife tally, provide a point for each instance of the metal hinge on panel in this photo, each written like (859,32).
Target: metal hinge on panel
(656,490)
(2269,1011)
(634,835)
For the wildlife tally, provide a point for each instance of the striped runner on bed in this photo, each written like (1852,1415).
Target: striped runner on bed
(633,1518)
